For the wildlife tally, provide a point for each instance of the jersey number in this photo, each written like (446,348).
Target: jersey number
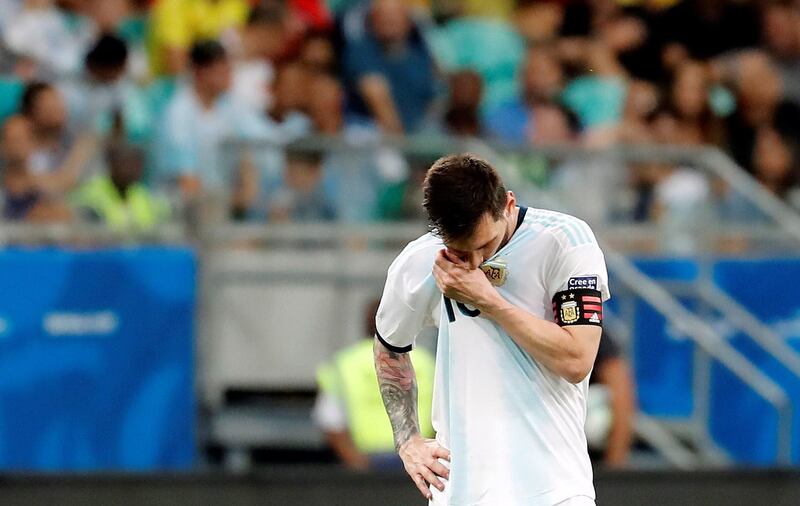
(451,315)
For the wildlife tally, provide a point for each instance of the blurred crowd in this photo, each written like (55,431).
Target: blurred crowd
(131,112)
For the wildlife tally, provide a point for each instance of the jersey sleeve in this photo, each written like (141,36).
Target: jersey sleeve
(577,285)
(408,303)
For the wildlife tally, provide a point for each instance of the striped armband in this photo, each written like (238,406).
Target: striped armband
(578,306)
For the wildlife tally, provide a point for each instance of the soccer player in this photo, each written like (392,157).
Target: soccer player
(518,295)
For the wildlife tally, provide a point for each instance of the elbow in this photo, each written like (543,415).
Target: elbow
(576,370)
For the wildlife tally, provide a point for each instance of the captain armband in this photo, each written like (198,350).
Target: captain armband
(578,306)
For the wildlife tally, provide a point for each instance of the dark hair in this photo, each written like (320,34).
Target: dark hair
(458,191)
(109,52)
(30,94)
(573,121)
(207,52)
(266,15)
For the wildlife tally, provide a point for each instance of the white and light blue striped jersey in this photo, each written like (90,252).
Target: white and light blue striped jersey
(514,428)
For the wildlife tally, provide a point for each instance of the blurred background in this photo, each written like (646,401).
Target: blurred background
(200,199)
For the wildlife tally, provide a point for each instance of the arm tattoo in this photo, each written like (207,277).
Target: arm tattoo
(398,386)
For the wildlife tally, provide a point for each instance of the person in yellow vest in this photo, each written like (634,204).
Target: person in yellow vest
(349,408)
(119,199)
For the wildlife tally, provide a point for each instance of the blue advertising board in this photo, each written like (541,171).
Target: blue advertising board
(663,360)
(741,423)
(96,359)
(770,290)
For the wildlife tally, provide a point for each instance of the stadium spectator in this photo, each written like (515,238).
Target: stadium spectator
(537,21)
(558,126)
(389,70)
(542,80)
(634,32)
(301,197)
(118,198)
(260,42)
(641,100)
(32,196)
(107,15)
(349,409)
(597,96)
(703,29)
(175,25)
(303,17)
(318,54)
(489,46)
(198,121)
(775,165)
(102,88)
(291,91)
(463,116)
(44,105)
(128,19)
(284,120)
(326,105)
(760,103)
(618,395)
(59,53)
(353,179)
(313,14)
(400,200)
(555,125)
(12,86)
(775,161)
(689,98)
(781,31)
(680,194)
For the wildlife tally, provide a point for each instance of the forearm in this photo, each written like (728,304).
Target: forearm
(620,439)
(247,187)
(617,378)
(398,385)
(68,174)
(343,445)
(378,96)
(554,347)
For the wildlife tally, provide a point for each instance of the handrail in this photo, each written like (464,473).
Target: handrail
(719,163)
(168,233)
(665,442)
(687,323)
(745,321)
(709,158)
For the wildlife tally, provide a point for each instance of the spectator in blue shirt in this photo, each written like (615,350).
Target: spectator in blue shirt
(390,69)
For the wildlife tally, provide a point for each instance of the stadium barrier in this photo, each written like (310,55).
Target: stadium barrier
(96,359)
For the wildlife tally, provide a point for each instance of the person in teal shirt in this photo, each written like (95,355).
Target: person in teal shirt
(11,90)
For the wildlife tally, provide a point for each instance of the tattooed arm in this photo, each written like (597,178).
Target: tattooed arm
(398,385)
